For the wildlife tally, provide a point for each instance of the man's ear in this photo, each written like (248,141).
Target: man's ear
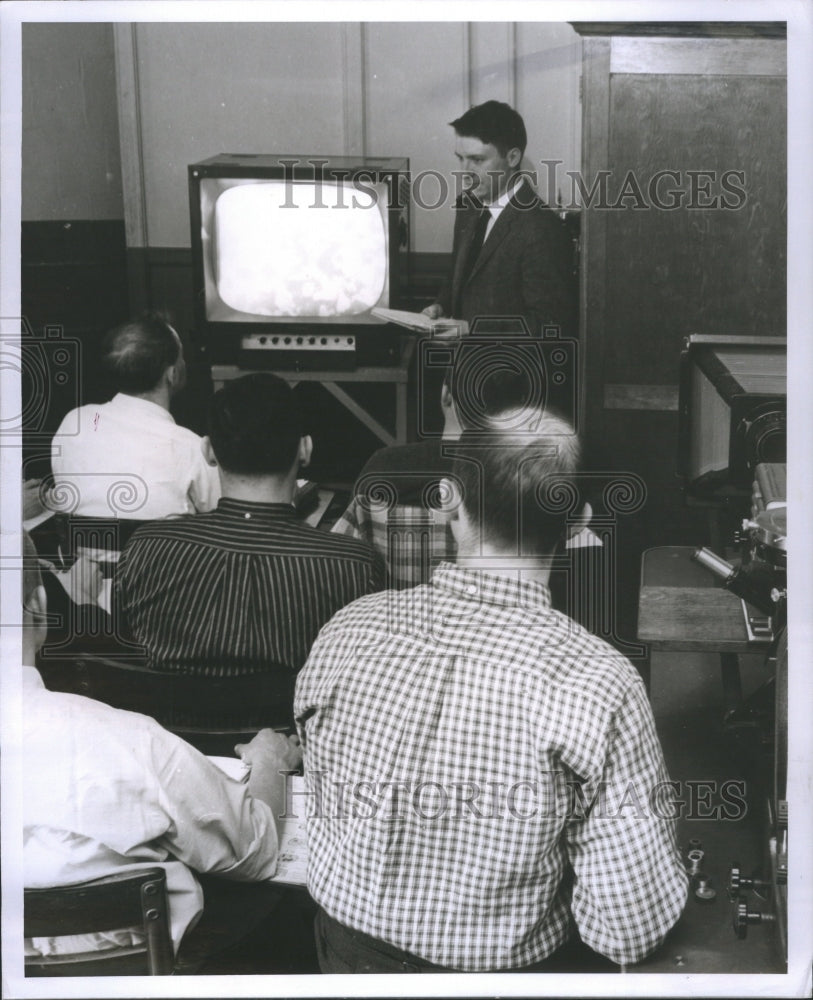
(514,157)
(305,451)
(208,451)
(445,396)
(581,522)
(36,604)
(451,499)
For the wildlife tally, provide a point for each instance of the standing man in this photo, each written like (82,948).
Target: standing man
(511,254)
(487,782)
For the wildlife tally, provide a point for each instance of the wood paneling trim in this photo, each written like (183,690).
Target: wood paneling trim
(595,132)
(353,76)
(699,56)
(130,141)
(640,397)
(674,29)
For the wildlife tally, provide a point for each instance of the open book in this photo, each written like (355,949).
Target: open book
(422,323)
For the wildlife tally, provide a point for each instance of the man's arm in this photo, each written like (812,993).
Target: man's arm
(204,489)
(548,289)
(218,825)
(630,885)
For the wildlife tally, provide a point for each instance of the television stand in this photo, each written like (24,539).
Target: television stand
(395,375)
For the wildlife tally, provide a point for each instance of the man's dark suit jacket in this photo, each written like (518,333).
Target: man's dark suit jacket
(525,267)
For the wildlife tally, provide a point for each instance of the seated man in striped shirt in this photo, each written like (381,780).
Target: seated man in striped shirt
(487,788)
(245,587)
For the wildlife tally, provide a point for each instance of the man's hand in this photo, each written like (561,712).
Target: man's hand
(266,756)
(83,581)
(435,311)
(272,750)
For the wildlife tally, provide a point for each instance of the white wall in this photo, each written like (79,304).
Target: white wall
(187,91)
(70,138)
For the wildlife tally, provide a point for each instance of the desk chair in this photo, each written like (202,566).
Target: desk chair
(211,713)
(127,899)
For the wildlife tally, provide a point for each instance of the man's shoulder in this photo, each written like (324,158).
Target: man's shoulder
(417,457)
(330,545)
(178,528)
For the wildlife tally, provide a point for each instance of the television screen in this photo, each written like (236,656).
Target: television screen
(301,251)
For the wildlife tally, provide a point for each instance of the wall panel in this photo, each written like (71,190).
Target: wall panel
(210,88)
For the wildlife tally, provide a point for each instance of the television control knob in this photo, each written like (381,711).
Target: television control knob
(311,340)
(743,917)
(299,340)
(263,340)
(323,341)
(287,340)
(350,340)
(275,340)
(737,881)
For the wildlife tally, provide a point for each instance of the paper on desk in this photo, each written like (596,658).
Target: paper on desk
(292,866)
(443,326)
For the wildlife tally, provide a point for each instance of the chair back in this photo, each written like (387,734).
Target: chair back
(211,713)
(127,899)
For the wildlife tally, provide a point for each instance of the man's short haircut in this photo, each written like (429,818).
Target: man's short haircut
(136,354)
(496,123)
(32,578)
(518,481)
(255,425)
(489,377)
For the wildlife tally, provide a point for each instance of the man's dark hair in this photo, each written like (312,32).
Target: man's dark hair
(255,425)
(136,354)
(518,481)
(491,376)
(496,123)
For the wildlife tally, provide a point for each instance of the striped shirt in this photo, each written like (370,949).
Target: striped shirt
(238,589)
(482,772)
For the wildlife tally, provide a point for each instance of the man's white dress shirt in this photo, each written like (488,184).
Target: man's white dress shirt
(107,790)
(129,459)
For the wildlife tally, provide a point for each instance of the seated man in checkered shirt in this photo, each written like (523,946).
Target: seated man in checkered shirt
(397,503)
(486,787)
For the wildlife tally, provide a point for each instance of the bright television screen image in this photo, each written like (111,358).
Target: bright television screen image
(300,251)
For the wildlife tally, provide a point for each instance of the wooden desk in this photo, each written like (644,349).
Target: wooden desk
(395,375)
(682,606)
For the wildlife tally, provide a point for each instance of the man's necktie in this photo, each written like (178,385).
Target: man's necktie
(476,244)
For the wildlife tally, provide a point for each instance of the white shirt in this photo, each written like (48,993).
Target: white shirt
(497,206)
(107,790)
(128,458)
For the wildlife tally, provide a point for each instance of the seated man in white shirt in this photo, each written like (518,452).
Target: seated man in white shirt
(106,790)
(128,458)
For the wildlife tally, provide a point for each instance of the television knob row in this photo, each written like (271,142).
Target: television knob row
(281,341)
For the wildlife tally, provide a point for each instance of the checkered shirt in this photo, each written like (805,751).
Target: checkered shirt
(413,539)
(481,773)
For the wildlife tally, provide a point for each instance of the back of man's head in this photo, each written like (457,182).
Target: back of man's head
(496,123)
(492,376)
(518,480)
(136,354)
(255,426)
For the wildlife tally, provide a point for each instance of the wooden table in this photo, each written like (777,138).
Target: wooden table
(395,375)
(682,606)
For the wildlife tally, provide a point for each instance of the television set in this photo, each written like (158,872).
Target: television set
(291,253)
(732,411)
